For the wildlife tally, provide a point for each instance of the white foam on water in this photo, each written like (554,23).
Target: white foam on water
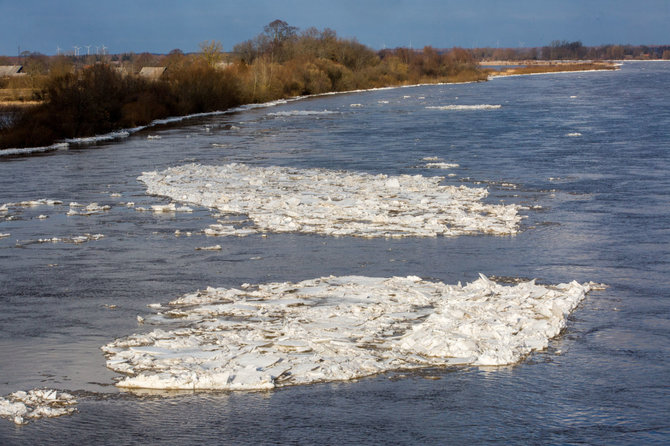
(337,328)
(465,107)
(20,407)
(336,203)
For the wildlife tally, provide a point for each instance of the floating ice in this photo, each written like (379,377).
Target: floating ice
(90,209)
(441,165)
(35,404)
(30,203)
(209,248)
(337,203)
(78,239)
(302,113)
(574,134)
(337,328)
(159,208)
(4,234)
(465,107)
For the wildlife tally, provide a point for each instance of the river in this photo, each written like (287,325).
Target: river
(586,155)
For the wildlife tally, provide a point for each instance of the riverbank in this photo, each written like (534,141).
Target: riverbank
(100,101)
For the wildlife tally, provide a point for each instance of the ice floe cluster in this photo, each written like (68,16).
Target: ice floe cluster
(337,328)
(37,403)
(337,203)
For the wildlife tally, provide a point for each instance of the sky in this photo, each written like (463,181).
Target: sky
(159,26)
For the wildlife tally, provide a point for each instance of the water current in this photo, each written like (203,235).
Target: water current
(586,154)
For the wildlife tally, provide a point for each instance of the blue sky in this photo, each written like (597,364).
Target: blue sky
(162,25)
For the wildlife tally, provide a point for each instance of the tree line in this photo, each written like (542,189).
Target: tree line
(565,50)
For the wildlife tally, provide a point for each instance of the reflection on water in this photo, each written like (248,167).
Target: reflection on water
(598,212)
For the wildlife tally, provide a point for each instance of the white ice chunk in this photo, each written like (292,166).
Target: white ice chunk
(337,203)
(91,209)
(338,328)
(466,107)
(22,406)
(441,165)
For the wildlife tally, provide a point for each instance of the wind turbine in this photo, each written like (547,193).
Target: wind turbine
(103,49)
(58,50)
(88,50)
(76,50)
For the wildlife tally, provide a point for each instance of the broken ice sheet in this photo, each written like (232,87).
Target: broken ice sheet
(37,403)
(86,210)
(336,203)
(77,239)
(337,328)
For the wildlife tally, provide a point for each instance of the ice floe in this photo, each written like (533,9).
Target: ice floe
(77,239)
(89,209)
(30,203)
(21,406)
(302,113)
(162,208)
(337,328)
(209,248)
(336,203)
(465,107)
(574,134)
(441,165)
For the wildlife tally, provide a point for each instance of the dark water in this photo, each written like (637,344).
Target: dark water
(605,199)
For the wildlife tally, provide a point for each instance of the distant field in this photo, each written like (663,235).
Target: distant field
(17,96)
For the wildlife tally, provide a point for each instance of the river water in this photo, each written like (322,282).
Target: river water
(587,154)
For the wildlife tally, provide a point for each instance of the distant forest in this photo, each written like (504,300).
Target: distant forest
(564,50)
